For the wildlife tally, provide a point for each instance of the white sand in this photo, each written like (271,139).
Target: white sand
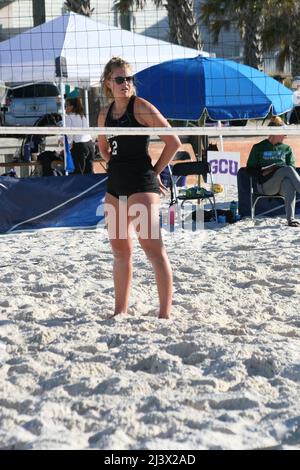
(224,373)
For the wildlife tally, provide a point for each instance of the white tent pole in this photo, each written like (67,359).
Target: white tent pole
(62,94)
(86,104)
(63,114)
(221,137)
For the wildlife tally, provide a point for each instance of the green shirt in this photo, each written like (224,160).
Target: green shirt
(264,153)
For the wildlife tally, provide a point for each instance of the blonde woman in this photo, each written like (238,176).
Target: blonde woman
(133,182)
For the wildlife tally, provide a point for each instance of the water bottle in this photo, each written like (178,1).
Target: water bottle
(172,218)
(234,210)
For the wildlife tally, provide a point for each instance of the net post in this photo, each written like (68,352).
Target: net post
(62,92)
(86,104)
(61,71)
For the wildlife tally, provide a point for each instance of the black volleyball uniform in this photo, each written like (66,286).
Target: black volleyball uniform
(130,169)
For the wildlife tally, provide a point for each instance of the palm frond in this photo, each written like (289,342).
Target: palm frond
(81,7)
(124,6)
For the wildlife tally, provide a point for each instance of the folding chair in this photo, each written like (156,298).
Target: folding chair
(196,169)
(255,196)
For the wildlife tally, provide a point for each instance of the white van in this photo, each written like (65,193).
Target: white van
(25,103)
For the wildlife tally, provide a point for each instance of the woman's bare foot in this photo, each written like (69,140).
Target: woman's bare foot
(164,316)
(116,314)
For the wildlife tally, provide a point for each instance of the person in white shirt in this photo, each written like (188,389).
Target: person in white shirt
(82,147)
(294,117)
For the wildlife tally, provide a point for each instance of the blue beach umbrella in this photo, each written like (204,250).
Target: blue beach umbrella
(184,88)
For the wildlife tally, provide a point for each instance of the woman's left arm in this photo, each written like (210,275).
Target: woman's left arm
(149,116)
(290,159)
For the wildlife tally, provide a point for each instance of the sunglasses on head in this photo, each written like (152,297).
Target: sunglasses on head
(120,80)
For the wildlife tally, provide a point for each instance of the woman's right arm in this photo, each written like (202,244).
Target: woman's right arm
(103,144)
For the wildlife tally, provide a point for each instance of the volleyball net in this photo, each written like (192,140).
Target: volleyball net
(202,86)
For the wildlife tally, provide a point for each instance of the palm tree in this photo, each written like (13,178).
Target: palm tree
(82,7)
(247,16)
(182,22)
(263,25)
(280,30)
(295,39)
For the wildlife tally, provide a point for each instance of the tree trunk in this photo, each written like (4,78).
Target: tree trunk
(252,47)
(295,42)
(38,12)
(252,37)
(183,25)
(295,56)
(174,33)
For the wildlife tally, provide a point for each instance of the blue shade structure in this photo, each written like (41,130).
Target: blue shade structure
(184,88)
(70,167)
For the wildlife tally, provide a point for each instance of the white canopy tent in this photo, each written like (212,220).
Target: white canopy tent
(76,48)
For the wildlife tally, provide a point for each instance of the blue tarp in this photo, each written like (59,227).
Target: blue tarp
(62,201)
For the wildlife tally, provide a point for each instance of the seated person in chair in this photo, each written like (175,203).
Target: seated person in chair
(46,158)
(273,164)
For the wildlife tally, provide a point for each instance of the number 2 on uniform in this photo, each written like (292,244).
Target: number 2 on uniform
(114,145)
